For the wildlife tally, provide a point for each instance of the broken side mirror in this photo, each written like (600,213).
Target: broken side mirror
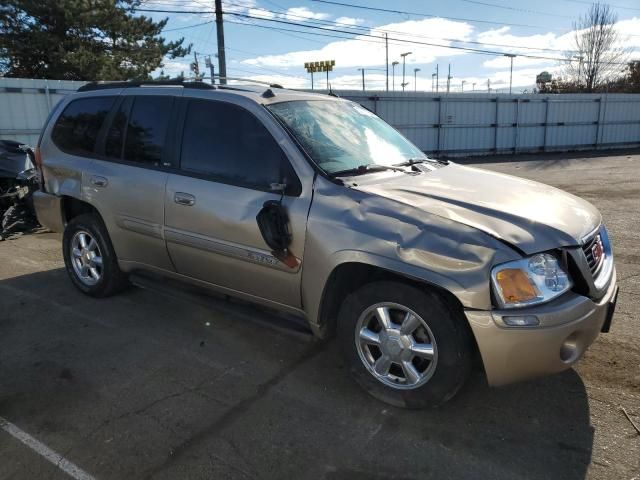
(273,222)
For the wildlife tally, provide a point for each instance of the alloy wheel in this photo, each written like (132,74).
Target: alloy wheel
(396,345)
(86,258)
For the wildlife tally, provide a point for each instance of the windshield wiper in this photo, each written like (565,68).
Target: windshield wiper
(415,161)
(411,161)
(363,169)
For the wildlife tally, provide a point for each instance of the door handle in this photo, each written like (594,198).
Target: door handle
(99,181)
(184,199)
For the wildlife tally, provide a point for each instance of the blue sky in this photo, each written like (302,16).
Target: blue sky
(501,26)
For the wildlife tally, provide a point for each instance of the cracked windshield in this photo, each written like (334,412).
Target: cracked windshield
(341,136)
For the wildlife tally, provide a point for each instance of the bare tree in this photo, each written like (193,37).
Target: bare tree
(598,54)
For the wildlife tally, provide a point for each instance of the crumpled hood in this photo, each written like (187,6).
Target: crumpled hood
(529,215)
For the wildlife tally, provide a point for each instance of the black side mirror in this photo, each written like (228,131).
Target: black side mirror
(273,222)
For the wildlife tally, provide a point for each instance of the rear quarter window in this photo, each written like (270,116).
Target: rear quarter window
(76,129)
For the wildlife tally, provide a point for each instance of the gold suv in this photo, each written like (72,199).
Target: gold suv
(313,205)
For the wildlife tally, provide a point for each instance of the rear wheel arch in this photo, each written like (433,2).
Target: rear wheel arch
(72,207)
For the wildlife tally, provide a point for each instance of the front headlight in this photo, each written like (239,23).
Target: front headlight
(529,281)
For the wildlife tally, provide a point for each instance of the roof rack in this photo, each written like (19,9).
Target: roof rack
(140,83)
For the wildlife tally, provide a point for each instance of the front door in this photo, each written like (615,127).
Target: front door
(228,162)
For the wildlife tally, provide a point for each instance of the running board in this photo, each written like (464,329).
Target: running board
(229,306)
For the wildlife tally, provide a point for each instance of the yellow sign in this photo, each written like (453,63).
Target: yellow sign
(321,66)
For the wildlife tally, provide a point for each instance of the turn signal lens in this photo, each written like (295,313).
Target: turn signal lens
(529,281)
(515,286)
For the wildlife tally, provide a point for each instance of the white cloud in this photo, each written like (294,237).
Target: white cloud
(295,14)
(238,6)
(173,68)
(630,32)
(505,62)
(370,52)
(524,78)
(260,13)
(503,36)
(348,21)
(558,44)
(284,80)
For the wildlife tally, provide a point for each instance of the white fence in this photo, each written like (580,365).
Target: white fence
(481,123)
(454,124)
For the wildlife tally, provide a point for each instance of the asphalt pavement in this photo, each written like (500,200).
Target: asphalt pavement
(148,385)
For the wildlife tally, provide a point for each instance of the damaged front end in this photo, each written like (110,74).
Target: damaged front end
(19,179)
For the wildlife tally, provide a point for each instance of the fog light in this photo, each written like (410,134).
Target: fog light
(521,321)
(570,351)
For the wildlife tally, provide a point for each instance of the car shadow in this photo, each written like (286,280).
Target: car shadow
(73,366)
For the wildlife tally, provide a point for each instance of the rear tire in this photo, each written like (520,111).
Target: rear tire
(89,257)
(423,355)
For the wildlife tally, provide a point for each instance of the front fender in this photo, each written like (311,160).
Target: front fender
(347,226)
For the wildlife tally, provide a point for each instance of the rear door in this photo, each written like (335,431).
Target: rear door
(229,159)
(126,183)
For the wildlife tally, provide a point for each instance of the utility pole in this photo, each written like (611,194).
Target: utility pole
(463,82)
(212,68)
(433,77)
(386,63)
(488,85)
(437,79)
(415,79)
(404,62)
(449,77)
(222,60)
(195,68)
(362,70)
(511,57)
(393,70)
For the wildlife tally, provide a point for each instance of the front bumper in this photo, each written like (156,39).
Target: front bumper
(568,326)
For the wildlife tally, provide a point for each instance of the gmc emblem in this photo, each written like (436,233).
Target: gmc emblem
(597,250)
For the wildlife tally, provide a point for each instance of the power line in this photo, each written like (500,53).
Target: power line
(414,42)
(506,7)
(584,2)
(187,26)
(404,41)
(281,29)
(420,14)
(368,29)
(361,33)
(320,42)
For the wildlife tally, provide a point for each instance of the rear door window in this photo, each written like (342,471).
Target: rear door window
(231,145)
(146,130)
(77,128)
(114,142)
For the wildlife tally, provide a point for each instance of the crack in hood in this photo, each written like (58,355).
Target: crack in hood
(528,215)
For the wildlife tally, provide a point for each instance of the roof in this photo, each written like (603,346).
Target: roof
(261,94)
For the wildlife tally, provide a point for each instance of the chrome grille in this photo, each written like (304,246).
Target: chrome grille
(590,247)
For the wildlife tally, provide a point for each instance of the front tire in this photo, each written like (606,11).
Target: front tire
(404,345)
(89,257)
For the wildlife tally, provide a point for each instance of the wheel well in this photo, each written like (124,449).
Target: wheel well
(348,277)
(72,207)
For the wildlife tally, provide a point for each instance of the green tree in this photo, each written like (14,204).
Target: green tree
(633,75)
(81,40)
